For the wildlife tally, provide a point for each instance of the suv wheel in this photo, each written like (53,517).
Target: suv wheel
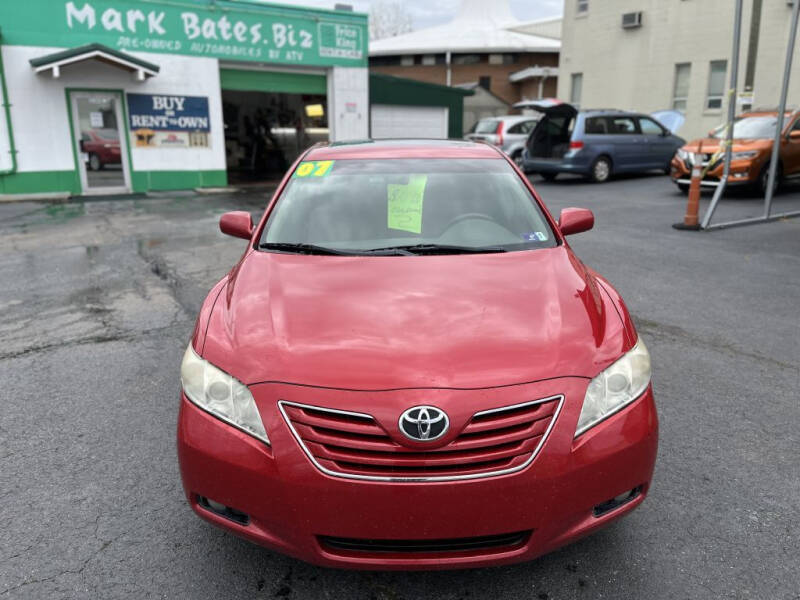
(763,179)
(601,169)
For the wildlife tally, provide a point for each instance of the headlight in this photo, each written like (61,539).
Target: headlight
(616,387)
(220,394)
(683,154)
(744,155)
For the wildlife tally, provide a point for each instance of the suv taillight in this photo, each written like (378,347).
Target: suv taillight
(577,145)
(499,133)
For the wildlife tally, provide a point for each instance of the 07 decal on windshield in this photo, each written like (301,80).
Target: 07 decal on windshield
(313,168)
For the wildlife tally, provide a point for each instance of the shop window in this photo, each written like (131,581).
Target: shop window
(716,84)
(680,92)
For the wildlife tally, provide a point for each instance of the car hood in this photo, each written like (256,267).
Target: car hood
(457,321)
(712,145)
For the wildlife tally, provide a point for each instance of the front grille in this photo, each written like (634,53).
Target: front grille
(354,445)
(487,542)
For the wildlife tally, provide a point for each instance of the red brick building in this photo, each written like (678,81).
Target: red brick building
(482,45)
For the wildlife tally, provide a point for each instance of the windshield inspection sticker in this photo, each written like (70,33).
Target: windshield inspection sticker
(404,209)
(313,168)
(535,236)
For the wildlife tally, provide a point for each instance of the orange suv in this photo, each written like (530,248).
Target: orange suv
(753,135)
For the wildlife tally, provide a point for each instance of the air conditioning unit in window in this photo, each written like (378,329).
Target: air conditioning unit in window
(631,20)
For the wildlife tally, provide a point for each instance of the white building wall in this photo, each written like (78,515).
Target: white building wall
(40,118)
(634,69)
(348,103)
(775,24)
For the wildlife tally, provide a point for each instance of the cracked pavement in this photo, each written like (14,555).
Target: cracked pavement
(99,299)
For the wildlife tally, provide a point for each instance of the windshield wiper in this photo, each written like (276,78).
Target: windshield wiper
(442,249)
(303,248)
(300,248)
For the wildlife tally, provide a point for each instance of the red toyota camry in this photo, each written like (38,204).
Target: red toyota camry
(409,368)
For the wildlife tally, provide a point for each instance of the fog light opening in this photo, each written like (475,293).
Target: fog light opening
(220,509)
(616,502)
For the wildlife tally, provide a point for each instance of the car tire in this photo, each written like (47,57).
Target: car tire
(763,178)
(549,176)
(95,164)
(600,171)
(517,158)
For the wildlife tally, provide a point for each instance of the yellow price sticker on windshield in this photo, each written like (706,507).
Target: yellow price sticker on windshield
(313,168)
(404,209)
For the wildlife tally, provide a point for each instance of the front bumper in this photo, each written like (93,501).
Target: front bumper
(742,172)
(293,507)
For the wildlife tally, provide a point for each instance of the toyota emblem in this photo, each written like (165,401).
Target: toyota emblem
(424,423)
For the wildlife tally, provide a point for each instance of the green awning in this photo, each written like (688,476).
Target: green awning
(249,80)
(54,62)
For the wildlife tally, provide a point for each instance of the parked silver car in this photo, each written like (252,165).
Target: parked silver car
(508,132)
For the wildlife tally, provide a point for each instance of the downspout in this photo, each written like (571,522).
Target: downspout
(7,112)
(447,57)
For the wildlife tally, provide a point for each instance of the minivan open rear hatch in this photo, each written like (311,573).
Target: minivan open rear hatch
(551,136)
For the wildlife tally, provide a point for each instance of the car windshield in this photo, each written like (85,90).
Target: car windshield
(408,206)
(486,126)
(750,128)
(107,134)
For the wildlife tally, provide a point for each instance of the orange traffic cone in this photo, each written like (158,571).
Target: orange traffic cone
(691,218)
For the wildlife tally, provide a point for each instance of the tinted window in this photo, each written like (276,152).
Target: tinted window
(524,127)
(369,204)
(596,125)
(486,126)
(621,125)
(650,127)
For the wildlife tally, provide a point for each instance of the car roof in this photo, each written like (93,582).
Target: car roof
(610,112)
(512,118)
(401,148)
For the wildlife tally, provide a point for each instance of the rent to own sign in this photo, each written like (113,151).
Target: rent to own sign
(220,29)
(158,120)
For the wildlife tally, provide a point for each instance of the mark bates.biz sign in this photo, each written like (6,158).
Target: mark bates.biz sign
(221,29)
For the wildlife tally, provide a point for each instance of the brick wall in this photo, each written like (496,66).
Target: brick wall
(500,85)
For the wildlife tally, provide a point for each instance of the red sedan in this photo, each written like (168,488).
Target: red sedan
(409,368)
(101,147)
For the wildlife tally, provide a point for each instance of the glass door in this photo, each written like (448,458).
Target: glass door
(101,148)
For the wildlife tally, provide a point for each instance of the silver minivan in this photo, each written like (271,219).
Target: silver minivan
(508,132)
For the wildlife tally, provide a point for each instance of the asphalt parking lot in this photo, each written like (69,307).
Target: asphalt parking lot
(98,301)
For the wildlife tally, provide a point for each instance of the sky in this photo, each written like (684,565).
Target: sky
(427,13)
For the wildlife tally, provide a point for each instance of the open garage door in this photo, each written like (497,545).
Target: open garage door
(394,121)
(270,117)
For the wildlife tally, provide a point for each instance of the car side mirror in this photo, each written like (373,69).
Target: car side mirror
(237,223)
(575,220)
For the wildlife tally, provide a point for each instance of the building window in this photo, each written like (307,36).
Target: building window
(466,59)
(495,59)
(428,59)
(680,92)
(407,61)
(716,84)
(575,89)
(581,7)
